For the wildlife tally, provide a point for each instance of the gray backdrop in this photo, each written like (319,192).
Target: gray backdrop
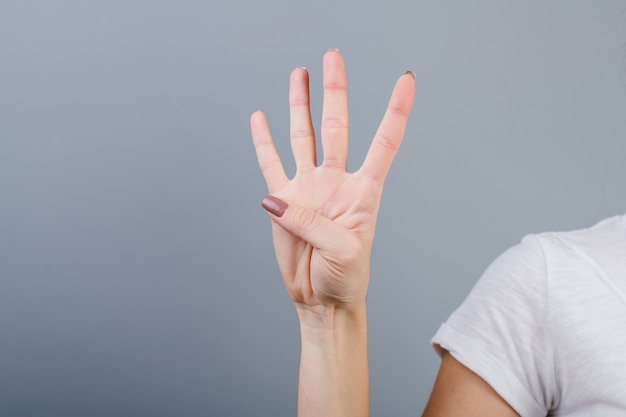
(137,275)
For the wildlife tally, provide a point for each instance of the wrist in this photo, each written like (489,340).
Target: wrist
(332,326)
(334,378)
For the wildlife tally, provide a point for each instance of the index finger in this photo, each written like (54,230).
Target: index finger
(390,132)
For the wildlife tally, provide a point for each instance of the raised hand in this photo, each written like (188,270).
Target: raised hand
(323,219)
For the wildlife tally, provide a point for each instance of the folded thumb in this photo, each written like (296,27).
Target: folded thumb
(307,224)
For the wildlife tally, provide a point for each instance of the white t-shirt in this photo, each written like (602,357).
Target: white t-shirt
(545,326)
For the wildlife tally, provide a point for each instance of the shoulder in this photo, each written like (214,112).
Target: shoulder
(504,330)
(539,255)
(598,249)
(587,295)
(604,234)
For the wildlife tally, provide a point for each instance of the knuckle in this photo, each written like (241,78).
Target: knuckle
(334,122)
(374,175)
(398,109)
(300,133)
(269,164)
(335,86)
(305,169)
(385,141)
(306,220)
(334,162)
(262,143)
(299,101)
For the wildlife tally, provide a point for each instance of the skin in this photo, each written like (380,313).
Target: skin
(323,240)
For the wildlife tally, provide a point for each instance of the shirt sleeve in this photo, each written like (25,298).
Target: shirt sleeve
(502,330)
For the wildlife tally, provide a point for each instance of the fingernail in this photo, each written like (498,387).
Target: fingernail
(274,205)
(412,73)
(304,68)
(333,49)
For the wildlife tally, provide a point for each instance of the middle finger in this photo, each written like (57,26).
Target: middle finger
(335,112)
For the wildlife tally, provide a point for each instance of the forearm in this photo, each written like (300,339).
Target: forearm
(334,380)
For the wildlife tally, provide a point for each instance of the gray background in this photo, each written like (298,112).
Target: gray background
(137,275)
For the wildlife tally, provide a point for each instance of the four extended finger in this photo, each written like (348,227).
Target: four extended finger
(391,129)
(301,131)
(335,112)
(269,161)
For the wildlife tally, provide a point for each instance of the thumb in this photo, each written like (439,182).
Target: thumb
(307,224)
